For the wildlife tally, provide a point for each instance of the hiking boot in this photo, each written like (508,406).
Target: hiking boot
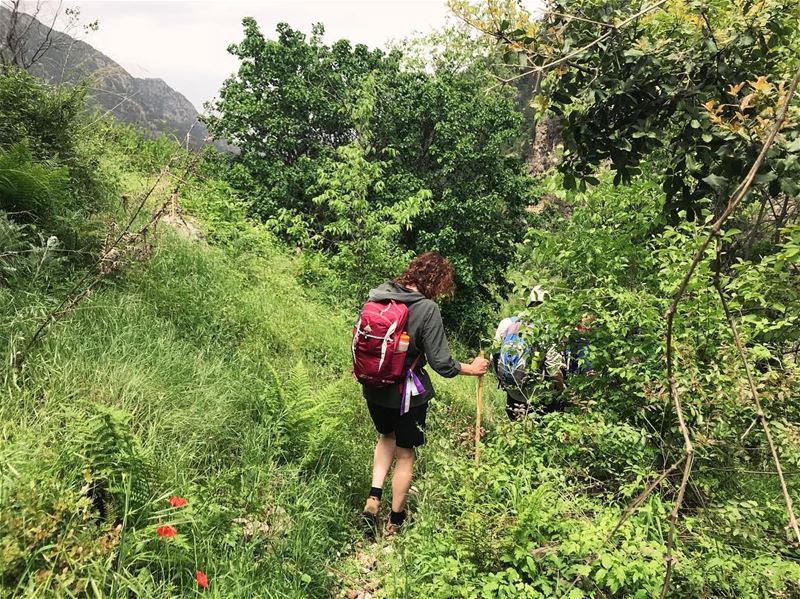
(390,529)
(371,515)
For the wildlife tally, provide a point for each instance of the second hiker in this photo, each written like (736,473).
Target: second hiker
(398,333)
(521,362)
(532,365)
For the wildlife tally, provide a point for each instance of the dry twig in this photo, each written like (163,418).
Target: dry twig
(787,498)
(738,195)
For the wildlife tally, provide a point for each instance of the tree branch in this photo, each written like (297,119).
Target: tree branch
(640,499)
(734,201)
(787,498)
(591,44)
(577,18)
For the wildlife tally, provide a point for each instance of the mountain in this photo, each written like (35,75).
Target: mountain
(149,103)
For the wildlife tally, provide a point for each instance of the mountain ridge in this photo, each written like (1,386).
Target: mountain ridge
(148,102)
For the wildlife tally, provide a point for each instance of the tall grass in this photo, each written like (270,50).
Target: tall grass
(232,388)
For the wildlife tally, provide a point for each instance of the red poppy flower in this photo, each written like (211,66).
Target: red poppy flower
(176,501)
(202,579)
(166,531)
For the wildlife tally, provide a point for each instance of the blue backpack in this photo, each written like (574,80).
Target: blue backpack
(578,357)
(518,362)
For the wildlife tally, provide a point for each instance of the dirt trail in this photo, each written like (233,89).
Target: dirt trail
(357,574)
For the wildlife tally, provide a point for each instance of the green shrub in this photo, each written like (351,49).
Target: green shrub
(47,117)
(50,172)
(370,163)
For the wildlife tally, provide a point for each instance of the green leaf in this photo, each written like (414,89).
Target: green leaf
(716,182)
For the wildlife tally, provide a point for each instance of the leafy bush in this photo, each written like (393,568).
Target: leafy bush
(50,172)
(47,117)
(38,194)
(697,84)
(609,259)
(370,163)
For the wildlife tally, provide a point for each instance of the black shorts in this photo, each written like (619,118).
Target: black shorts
(408,429)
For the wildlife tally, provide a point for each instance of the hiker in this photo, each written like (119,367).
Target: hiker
(512,363)
(398,332)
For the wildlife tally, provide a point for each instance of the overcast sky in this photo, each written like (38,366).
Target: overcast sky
(184,42)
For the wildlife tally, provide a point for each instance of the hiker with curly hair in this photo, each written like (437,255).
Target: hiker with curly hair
(398,333)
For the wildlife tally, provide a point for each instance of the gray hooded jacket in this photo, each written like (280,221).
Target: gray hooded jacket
(428,342)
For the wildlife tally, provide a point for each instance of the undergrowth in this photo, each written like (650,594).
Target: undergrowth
(194,414)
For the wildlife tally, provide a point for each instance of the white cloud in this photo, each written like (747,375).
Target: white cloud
(535,7)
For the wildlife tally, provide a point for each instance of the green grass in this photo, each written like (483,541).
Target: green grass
(227,383)
(210,372)
(227,379)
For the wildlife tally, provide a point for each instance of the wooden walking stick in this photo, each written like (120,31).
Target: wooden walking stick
(479,407)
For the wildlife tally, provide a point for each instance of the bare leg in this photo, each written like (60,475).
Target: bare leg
(382,461)
(401,478)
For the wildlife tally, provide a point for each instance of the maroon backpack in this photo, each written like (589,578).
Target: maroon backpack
(377,358)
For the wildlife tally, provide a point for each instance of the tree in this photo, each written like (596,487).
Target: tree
(26,36)
(456,139)
(684,87)
(287,106)
(360,154)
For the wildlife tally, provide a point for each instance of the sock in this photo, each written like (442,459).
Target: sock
(397,517)
(376,492)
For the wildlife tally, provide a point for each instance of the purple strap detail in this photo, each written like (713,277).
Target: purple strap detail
(417,383)
(411,386)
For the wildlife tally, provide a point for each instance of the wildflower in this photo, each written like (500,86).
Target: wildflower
(202,579)
(176,501)
(166,531)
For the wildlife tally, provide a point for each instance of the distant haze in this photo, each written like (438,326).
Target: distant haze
(184,42)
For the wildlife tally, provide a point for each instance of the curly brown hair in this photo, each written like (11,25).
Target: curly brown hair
(431,273)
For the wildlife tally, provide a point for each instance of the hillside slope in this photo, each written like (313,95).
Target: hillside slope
(208,373)
(185,377)
(147,102)
(211,373)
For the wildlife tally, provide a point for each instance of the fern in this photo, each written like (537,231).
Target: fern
(273,412)
(31,189)
(299,394)
(326,434)
(120,475)
(301,419)
(40,193)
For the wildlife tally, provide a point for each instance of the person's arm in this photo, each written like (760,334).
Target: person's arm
(477,367)
(437,350)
